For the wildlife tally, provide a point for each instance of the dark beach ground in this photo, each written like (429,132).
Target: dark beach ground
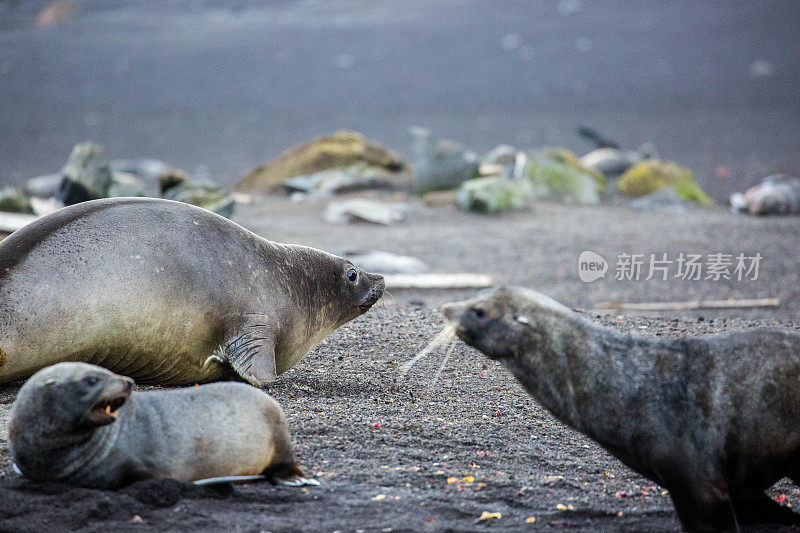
(476,421)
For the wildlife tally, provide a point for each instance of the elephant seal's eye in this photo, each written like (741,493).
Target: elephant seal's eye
(91,380)
(352,275)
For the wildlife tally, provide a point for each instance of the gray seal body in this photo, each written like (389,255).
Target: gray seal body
(715,419)
(167,293)
(80,424)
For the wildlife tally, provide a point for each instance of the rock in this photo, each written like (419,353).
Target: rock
(650,176)
(124,184)
(548,178)
(385,262)
(12,200)
(439,163)
(86,176)
(613,162)
(342,149)
(45,206)
(336,181)
(500,155)
(177,185)
(666,200)
(440,198)
(147,170)
(565,157)
(42,186)
(778,194)
(363,210)
(492,194)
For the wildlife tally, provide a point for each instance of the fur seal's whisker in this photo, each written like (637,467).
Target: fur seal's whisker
(446,336)
(450,349)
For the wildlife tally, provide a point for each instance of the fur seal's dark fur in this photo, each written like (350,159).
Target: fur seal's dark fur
(167,293)
(715,419)
(80,424)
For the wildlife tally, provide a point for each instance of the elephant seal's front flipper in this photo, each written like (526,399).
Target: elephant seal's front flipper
(250,354)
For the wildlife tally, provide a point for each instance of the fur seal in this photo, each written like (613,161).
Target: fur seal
(81,424)
(713,418)
(167,293)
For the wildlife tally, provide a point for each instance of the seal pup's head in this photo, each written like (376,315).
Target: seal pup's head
(59,407)
(70,397)
(508,323)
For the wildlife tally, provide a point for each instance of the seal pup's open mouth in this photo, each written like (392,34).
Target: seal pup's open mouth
(105,410)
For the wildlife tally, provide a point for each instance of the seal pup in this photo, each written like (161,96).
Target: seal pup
(167,293)
(83,425)
(714,418)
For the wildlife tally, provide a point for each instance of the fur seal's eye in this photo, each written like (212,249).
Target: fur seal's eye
(91,380)
(478,312)
(352,275)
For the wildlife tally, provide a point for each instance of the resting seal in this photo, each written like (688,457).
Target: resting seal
(714,418)
(80,424)
(167,293)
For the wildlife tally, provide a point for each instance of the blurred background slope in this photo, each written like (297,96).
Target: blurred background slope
(226,85)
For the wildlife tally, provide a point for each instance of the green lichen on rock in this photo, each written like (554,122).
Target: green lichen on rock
(124,184)
(342,149)
(13,201)
(564,156)
(547,177)
(493,194)
(652,175)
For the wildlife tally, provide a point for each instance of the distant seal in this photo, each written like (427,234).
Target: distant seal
(778,194)
(715,419)
(167,293)
(81,424)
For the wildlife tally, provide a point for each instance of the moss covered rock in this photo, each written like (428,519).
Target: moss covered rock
(14,201)
(650,176)
(493,194)
(342,149)
(565,157)
(549,178)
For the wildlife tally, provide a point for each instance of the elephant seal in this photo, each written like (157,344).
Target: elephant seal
(167,293)
(80,424)
(713,418)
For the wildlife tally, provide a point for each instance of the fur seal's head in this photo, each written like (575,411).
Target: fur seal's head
(69,397)
(507,323)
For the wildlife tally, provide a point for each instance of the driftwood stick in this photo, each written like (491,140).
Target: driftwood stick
(689,305)
(434,280)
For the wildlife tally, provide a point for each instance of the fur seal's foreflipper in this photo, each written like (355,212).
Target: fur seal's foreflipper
(289,474)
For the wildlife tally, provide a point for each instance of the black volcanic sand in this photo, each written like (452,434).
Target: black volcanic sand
(396,454)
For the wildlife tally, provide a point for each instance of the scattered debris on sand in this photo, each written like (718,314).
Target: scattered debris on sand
(365,210)
(385,262)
